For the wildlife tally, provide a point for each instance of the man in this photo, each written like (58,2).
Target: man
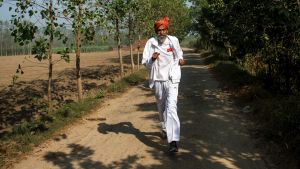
(163,57)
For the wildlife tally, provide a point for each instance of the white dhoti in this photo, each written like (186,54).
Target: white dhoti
(166,94)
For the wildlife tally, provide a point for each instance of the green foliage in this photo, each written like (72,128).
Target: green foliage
(29,128)
(250,28)
(14,79)
(242,77)
(279,120)
(100,94)
(229,72)
(117,8)
(85,15)
(65,54)
(25,31)
(133,79)
(179,26)
(283,120)
(40,49)
(189,41)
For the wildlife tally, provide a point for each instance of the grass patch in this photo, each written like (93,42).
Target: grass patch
(28,134)
(137,77)
(120,86)
(232,74)
(227,71)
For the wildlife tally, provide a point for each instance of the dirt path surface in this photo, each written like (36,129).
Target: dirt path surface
(125,133)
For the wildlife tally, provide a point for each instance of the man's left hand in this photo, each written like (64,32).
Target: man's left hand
(181,62)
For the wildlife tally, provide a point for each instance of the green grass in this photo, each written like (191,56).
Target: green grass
(26,135)
(232,74)
(226,69)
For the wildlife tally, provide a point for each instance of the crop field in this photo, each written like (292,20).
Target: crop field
(22,96)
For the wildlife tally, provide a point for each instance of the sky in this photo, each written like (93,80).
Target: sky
(4,12)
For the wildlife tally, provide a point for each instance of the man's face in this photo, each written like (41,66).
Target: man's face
(162,32)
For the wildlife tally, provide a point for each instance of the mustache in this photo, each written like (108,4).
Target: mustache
(161,37)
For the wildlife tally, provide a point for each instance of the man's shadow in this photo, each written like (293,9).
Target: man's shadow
(148,138)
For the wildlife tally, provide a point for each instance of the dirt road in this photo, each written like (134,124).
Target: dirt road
(124,133)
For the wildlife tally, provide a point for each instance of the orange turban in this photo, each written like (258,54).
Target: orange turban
(164,21)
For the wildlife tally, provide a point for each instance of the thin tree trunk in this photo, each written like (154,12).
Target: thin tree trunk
(131,57)
(50,106)
(138,52)
(6,49)
(130,41)
(119,48)
(14,49)
(78,41)
(229,51)
(30,49)
(1,43)
(1,48)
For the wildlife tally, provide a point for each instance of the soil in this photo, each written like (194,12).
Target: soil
(26,98)
(124,132)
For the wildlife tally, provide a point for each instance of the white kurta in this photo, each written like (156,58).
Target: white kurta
(164,75)
(151,47)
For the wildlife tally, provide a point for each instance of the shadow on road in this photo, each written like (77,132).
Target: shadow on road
(81,155)
(127,128)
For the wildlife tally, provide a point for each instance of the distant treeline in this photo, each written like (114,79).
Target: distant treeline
(8,47)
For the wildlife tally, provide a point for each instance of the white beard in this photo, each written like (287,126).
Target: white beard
(161,39)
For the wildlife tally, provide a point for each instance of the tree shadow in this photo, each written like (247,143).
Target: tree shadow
(81,156)
(127,128)
(145,87)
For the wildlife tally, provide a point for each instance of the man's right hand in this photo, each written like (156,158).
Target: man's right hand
(155,56)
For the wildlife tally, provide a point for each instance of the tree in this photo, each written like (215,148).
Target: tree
(179,26)
(25,31)
(116,10)
(265,31)
(131,7)
(139,21)
(84,15)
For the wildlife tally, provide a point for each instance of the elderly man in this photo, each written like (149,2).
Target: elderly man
(163,57)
